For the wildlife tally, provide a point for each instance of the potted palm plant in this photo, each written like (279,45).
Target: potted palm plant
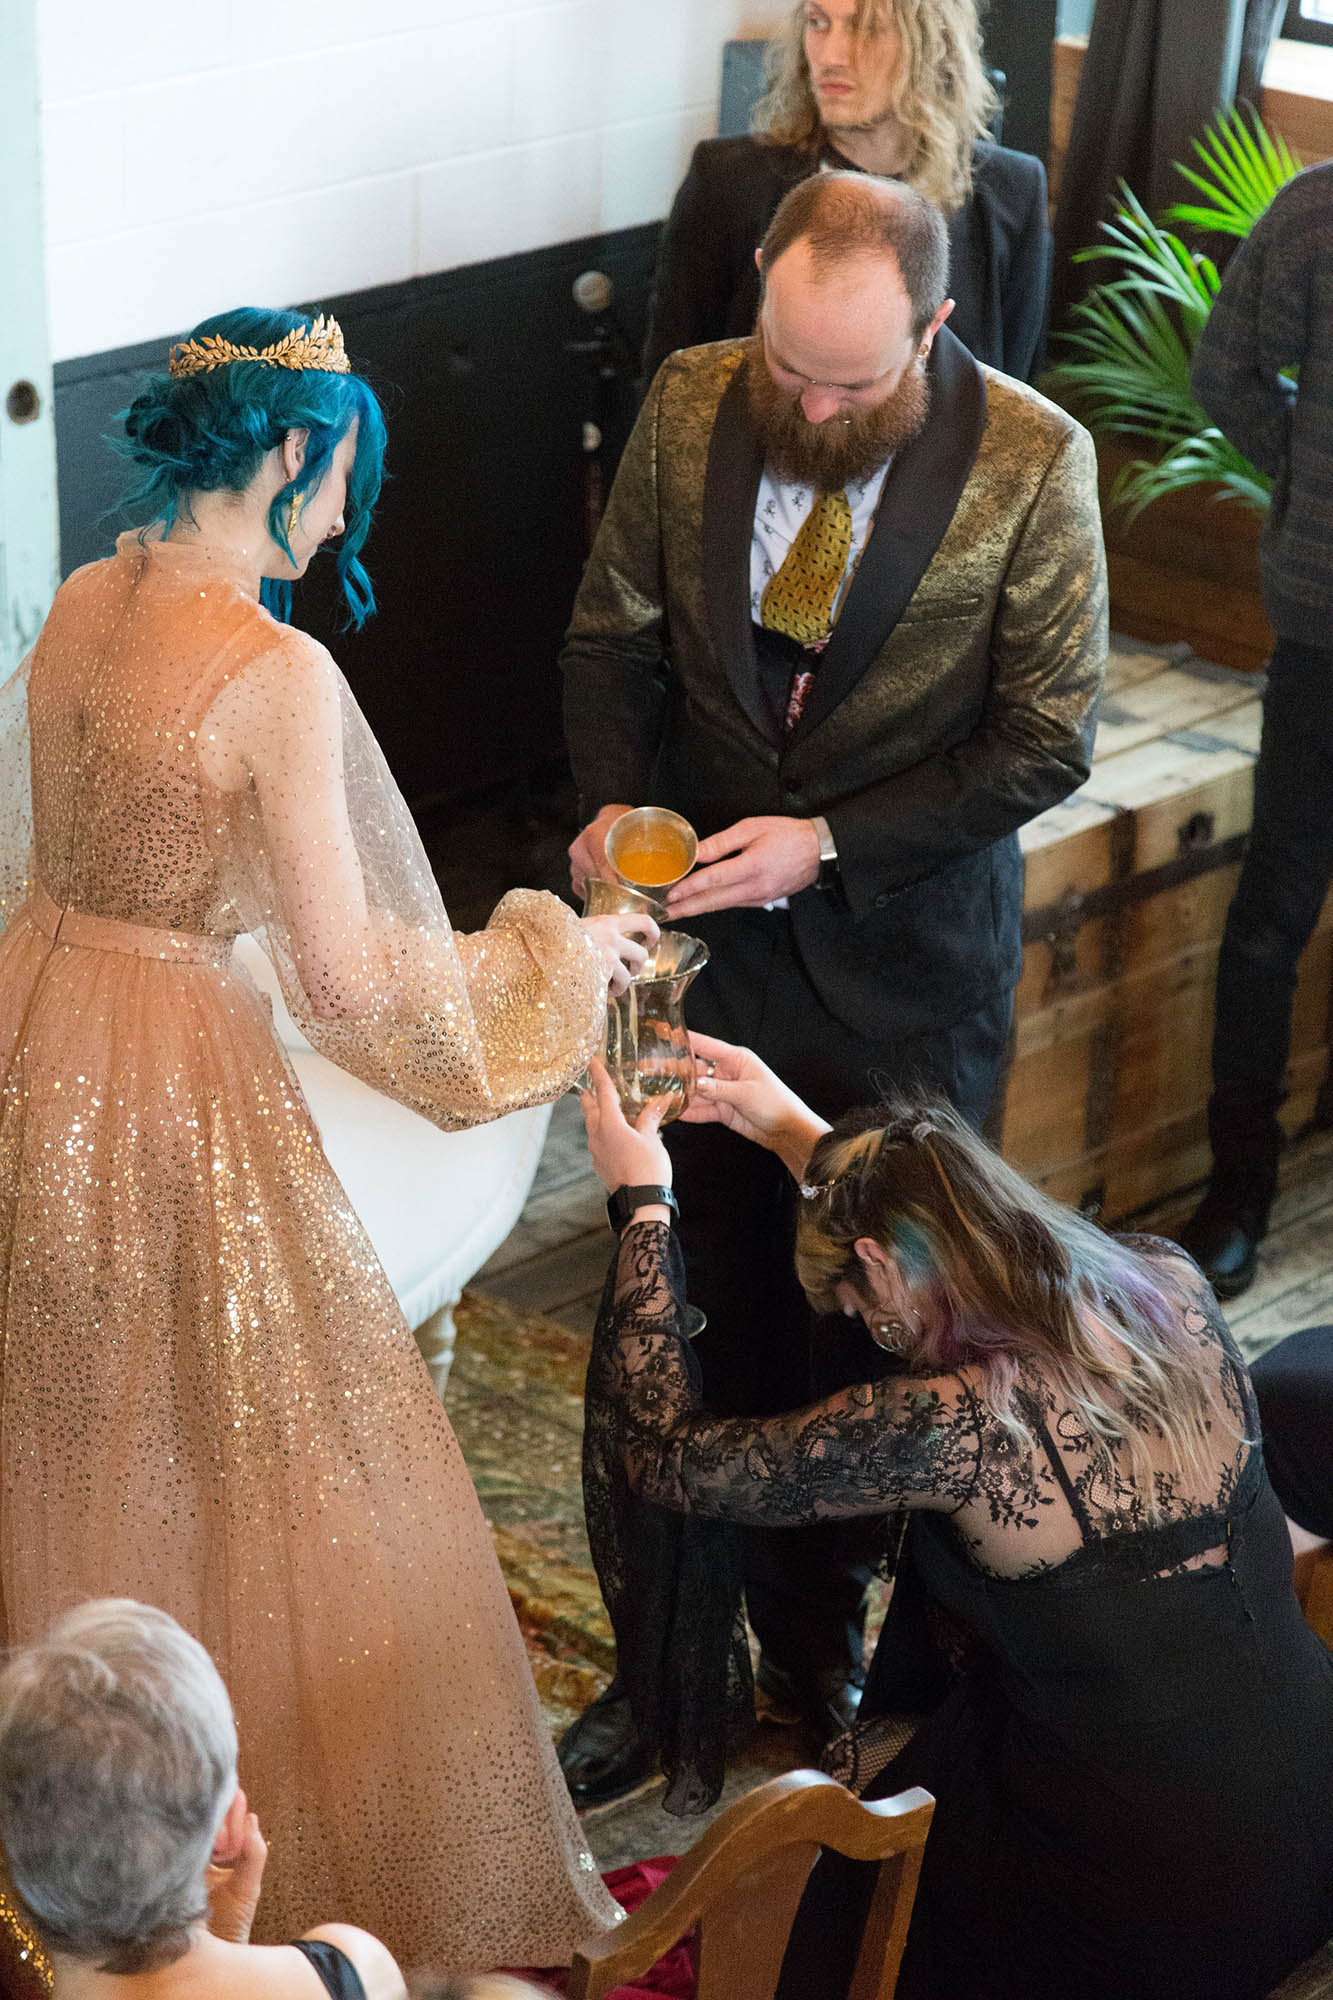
(1182,506)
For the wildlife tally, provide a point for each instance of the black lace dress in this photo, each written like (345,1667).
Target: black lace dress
(1134,1774)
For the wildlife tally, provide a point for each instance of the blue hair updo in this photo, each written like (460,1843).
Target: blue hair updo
(209,432)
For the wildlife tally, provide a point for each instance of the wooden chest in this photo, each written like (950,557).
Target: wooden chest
(1128,884)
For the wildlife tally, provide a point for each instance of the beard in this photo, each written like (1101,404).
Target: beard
(843,450)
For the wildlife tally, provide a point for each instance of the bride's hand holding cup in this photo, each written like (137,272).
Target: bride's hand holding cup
(624,941)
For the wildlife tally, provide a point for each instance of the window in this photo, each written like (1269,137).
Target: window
(1309,21)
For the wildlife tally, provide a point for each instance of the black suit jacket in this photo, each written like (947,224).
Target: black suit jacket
(707,287)
(954,701)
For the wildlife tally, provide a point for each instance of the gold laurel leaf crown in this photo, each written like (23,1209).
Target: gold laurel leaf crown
(319,346)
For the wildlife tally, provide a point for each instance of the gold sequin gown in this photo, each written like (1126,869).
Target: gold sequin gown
(211,1400)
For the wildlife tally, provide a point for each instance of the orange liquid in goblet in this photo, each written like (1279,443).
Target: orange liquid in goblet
(651,866)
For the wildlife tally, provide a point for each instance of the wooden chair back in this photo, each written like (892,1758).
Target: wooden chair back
(742,1880)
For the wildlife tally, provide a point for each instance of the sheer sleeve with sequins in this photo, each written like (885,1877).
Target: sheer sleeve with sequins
(318,857)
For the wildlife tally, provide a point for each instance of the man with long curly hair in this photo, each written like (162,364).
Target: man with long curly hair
(894,87)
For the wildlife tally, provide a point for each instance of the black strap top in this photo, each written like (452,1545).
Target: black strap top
(334,1967)
(1143,1552)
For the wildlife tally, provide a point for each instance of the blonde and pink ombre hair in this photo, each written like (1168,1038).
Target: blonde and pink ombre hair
(1005,1276)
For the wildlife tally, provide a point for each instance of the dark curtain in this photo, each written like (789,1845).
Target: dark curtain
(1154,74)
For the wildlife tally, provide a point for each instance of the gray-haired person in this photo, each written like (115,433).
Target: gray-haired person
(125,1831)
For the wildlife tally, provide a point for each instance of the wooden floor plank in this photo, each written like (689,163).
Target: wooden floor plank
(1308,1303)
(564,1159)
(1292,1255)
(556,1278)
(548,1220)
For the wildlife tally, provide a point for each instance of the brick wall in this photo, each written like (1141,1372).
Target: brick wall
(263,151)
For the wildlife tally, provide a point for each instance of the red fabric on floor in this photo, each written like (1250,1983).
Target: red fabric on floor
(672,1978)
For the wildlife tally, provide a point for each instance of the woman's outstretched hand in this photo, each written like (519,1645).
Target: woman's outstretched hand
(624,942)
(735,1088)
(624,1155)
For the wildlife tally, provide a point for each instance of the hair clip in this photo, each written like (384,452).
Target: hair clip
(808,1189)
(912,1131)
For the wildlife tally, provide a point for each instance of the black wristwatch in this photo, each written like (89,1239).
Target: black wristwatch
(621,1205)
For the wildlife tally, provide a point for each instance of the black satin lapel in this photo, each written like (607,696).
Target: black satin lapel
(920,494)
(731,488)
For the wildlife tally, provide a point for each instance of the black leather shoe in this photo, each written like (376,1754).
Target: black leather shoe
(828,1701)
(1223,1238)
(601,1755)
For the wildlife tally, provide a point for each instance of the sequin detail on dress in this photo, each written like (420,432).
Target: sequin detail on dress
(210,1399)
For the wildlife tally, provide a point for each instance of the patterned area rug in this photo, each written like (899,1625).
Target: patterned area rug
(515,1399)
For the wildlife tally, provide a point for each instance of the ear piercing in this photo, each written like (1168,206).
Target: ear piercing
(896,1335)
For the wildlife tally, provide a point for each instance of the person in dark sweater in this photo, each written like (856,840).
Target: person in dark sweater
(894,87)
(1263,371)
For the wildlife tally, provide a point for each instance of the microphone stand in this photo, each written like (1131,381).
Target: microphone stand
(605,352)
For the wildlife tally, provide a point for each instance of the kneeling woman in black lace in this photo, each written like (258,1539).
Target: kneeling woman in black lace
(1133,1771)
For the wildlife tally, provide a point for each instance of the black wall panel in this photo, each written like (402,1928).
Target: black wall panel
(1018,36)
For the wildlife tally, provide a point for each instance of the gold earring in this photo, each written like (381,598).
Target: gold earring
(295,509)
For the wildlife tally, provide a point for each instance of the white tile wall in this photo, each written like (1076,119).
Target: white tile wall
(261,151)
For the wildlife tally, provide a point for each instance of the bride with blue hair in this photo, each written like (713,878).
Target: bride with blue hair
(211,1400)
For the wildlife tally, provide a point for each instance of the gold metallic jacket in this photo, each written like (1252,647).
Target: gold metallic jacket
(953,703)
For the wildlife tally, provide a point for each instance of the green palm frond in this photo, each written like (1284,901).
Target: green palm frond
(1153,259)
(1131,340)
(1119,355)
(1244,167)
(1204,458)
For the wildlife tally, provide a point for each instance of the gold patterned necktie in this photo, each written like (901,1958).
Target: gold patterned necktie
(799,599)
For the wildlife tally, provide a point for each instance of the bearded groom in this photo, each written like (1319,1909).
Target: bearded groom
(846,613)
